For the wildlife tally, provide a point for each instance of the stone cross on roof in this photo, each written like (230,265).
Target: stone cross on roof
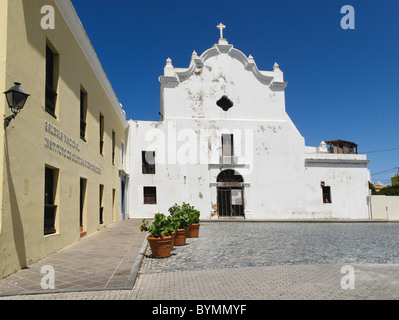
(220,26)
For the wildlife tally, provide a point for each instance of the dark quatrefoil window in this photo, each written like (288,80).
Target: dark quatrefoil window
(225,103)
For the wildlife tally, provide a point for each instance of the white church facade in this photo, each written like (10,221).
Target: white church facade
(73,164)
(226,145)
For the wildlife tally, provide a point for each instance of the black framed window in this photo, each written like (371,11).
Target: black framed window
(101,134)
(113,147)
(113,204)
(227,145)
(83,114)
(150,195)
(148,162)
(82,205)
(101,204)
(50,208)
(326,194)
(51,74)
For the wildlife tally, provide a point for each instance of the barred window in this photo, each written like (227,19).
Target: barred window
(150,195)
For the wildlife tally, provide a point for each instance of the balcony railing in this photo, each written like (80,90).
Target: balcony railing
(225,159)
(149,169)
(150,199)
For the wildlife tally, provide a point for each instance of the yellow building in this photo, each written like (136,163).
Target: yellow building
(395,179)
(63,173)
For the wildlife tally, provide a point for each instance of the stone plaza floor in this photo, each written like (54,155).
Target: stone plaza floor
(266,260)
(255,244)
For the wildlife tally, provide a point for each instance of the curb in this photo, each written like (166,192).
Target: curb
(135,269)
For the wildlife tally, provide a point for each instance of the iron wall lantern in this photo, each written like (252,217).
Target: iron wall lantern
(16,99)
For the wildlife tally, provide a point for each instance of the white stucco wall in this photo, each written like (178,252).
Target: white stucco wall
(267,165)
(195,96)
(349,190)
(385,207)
(281,176)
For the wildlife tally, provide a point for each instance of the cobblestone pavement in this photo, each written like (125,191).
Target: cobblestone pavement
(250,244)
(268,260)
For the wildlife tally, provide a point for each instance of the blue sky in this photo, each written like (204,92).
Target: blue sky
(342,84)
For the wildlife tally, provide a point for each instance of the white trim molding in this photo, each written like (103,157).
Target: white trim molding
(75,25)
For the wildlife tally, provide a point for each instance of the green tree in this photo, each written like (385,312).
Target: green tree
(372,188)
(390,191)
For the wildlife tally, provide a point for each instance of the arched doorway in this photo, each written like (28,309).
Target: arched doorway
(230,194)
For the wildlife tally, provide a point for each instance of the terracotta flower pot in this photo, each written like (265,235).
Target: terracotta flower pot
(193,230)
(160,247)
(180,237)
(173,238)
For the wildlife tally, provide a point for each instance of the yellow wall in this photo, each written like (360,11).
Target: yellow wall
(3,50)
(25,154)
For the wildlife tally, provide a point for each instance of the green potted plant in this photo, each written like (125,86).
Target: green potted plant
(182,218)
(159,235)
(174,226)
(193,222)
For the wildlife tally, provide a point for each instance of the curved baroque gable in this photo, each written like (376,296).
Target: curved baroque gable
(272,78)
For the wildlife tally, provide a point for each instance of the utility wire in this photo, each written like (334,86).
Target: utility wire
(375,151)
(373,174)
